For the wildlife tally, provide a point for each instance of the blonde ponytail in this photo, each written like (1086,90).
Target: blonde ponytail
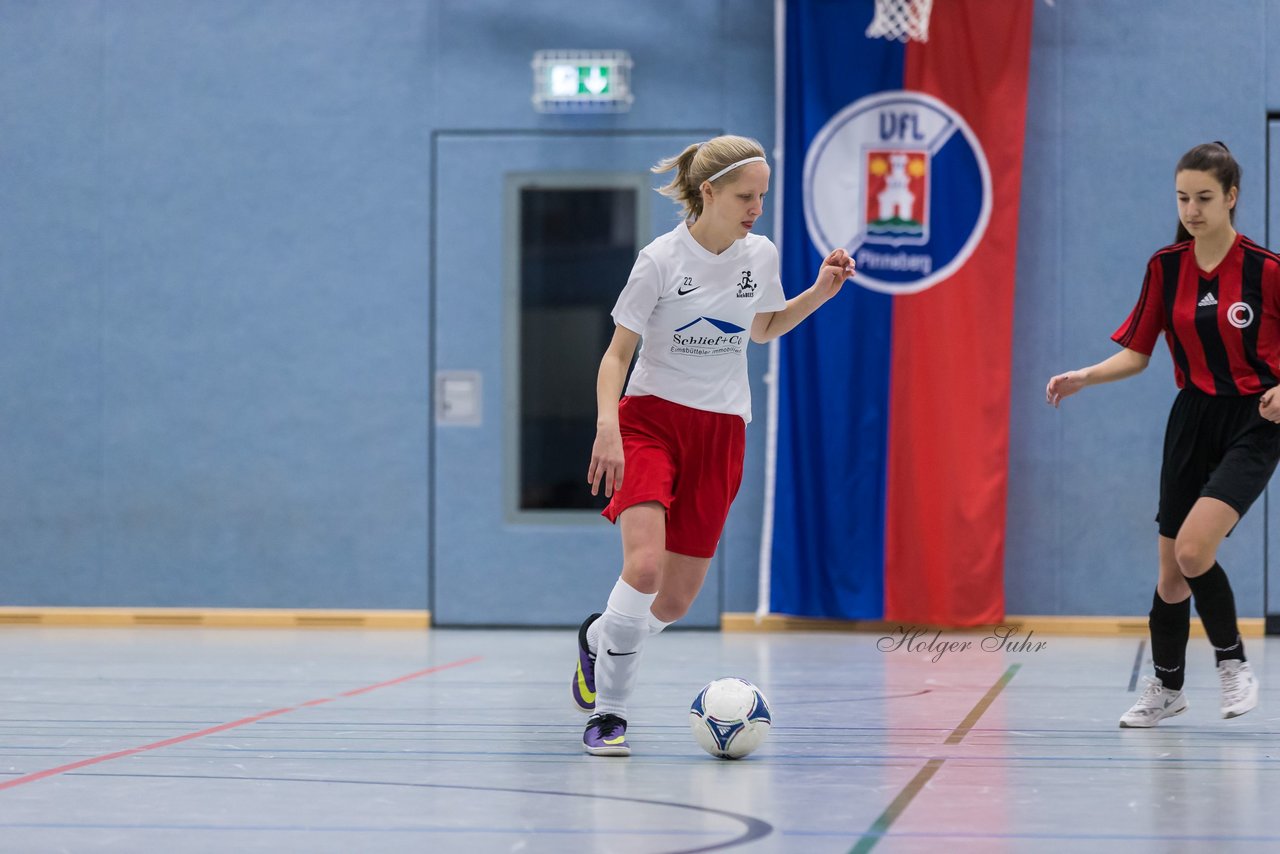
(699,162)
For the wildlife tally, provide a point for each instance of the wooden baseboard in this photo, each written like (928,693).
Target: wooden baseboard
(1250,627)
(236,618)
(254,618)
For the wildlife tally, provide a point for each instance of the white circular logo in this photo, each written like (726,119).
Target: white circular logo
(1240,315)
(875,175)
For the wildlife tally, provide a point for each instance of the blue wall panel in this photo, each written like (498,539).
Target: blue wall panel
(251,308)
(214,274)
(51,301)
(214,277)
(1114,100)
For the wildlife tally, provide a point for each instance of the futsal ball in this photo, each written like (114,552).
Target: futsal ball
(730,718)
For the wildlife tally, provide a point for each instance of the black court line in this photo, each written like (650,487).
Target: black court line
(752,828)
(881,825)
(1137,664)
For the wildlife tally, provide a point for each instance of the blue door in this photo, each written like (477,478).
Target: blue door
(534,237)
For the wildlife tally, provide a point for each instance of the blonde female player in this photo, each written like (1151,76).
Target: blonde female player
(669,455)
(1215,294)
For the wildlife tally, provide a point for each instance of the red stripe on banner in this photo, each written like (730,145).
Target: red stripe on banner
(951,364)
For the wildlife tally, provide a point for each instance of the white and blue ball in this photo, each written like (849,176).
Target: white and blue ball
(730,718)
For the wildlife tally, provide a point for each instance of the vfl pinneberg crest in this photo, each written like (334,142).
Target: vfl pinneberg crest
(899,180)
(897,196)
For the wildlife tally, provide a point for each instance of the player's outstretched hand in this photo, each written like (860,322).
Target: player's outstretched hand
(1063,385)
(837,268)
(1269,404)
(606,462)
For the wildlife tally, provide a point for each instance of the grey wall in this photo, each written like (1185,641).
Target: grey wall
(212,303)
(1117,93)
(214,277)
(215,280)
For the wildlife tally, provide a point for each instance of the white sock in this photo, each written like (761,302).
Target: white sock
(656,625)
(593,631)
(623,630)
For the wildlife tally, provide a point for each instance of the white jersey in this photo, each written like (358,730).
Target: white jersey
(693,309)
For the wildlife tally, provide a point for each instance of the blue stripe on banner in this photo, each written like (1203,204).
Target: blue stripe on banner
(829,514)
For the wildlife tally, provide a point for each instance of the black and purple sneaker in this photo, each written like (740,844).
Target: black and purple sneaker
(584,677)
(606,735)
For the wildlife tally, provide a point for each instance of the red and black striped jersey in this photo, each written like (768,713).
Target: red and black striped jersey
(1222,325)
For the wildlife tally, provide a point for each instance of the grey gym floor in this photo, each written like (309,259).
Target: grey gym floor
(189,740)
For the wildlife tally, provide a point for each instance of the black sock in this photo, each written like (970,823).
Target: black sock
(1170,627)
(1216,605)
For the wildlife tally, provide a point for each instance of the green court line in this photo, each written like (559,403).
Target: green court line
(881,825)
(972,718)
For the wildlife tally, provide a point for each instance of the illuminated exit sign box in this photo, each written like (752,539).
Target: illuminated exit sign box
(582,81)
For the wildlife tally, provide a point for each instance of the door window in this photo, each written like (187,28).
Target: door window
(576,246)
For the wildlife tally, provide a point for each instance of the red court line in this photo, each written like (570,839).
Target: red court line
(62,769)
(400,679)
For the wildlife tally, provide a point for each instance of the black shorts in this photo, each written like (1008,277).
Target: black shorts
(1215,447)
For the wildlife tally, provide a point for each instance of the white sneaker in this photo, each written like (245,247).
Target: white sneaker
(1239,687)
(1155,704)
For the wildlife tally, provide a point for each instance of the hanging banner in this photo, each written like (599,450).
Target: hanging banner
(893,400)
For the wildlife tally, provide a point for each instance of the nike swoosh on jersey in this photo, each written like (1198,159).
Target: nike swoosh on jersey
(611,652)
(682,291)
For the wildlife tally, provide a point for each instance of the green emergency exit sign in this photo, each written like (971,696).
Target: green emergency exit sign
(569,81)
(581,81)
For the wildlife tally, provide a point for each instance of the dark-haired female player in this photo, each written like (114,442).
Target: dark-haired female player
(1215,294)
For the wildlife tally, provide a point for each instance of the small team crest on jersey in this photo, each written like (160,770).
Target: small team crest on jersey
(1240,314)
(746,285)
(899,181)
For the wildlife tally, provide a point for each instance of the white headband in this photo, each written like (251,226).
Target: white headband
(733,166)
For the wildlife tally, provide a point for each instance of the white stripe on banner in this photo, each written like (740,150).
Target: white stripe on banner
(775,349)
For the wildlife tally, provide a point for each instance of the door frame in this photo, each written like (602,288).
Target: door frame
(437,136)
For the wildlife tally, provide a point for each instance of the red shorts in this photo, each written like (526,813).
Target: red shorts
(689,460)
